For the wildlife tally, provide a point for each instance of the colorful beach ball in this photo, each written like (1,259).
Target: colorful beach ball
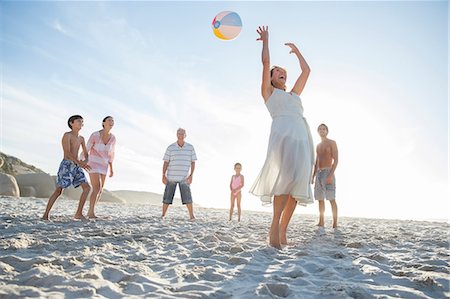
(227,25)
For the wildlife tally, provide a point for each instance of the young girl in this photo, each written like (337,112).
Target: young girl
(236,184)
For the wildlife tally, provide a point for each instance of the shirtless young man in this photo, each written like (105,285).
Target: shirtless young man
(326,162)
(70,170)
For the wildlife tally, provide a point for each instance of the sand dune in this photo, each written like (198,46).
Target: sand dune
(132,252)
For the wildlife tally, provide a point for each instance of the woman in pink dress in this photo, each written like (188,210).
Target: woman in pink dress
(100,146)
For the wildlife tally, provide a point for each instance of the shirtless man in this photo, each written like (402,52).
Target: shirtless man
(70,170)
(326,162)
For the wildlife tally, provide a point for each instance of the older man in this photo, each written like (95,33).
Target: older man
(178,160)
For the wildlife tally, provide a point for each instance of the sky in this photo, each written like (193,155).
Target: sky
(379,80)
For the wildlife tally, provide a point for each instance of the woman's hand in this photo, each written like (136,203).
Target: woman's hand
(293,47)
(263,33)
(84,165)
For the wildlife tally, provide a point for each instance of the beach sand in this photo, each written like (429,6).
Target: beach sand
(132,252)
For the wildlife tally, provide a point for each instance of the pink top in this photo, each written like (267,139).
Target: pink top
(235,182)
(100,154)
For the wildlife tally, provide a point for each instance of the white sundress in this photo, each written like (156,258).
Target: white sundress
(290,154)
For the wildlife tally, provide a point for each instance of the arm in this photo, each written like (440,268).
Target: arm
(240,186)
(112,154)
(84,164)
(315,168)
(111,170)
(266,86)
(90,143)
(84,149)
(301,81)
(231,183)
(192,172)
(164,178)
(193,159)
(334,154)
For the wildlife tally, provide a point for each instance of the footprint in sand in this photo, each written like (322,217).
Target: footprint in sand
(278,289)
(237,260)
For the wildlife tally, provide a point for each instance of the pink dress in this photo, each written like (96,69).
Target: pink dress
(100,154)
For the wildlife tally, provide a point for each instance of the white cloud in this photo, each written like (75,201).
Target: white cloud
(57,26)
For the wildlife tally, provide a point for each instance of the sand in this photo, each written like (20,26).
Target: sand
(132,252)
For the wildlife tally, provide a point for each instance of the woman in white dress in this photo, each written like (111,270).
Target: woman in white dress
(286,174)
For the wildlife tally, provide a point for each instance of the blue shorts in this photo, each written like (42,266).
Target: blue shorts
(70,174)
(322,190)
(185,191)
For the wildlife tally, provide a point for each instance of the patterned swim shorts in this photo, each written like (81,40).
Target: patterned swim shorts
(70,174)
(322,190)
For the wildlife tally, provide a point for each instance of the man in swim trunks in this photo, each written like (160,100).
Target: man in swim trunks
(70,170)
(325,186)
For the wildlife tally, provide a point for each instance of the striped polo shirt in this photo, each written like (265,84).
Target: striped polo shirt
(179,159)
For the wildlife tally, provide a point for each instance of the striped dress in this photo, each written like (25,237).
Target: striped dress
(100,154)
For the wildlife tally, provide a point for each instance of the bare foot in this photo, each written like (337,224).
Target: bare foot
(277,246)
(92,217)
(45,217)
(79,217)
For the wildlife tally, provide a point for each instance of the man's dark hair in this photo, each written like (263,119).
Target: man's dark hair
(324,126)
(72,119)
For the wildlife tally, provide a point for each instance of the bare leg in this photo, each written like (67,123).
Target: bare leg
(239,206)
(164,209)
(334,208)
(190,210)
(232,200)
(95,181)
(286,218)
(279,202)
(102,185)
(83,197)
(51,201)
(321,212)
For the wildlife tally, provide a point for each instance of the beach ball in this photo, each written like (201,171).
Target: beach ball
(227,25)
